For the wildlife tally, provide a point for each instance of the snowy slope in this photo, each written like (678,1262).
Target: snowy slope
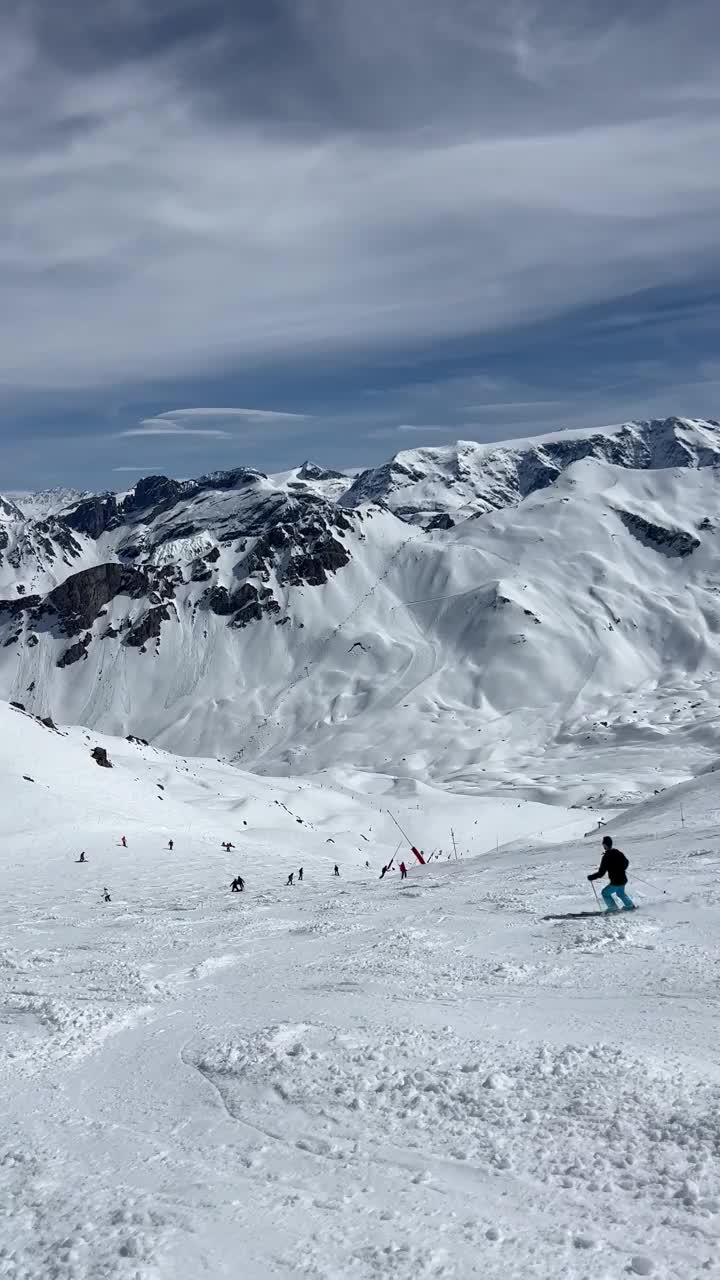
(349,1077)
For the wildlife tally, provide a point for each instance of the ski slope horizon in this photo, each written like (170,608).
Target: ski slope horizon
(348,1076)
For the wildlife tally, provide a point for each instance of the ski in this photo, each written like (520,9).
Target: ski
(588,915)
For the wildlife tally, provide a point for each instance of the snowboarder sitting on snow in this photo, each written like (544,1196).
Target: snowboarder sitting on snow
(614,865)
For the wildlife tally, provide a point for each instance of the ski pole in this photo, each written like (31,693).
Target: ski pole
(655,887)
(597,898)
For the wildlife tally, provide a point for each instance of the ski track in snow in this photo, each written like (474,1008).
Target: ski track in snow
(347,1077)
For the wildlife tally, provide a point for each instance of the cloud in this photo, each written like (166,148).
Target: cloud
(190,422)
(142,469)
(242,415)
(162,427)
(189,185)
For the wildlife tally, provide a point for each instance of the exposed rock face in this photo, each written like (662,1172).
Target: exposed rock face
(78,600)
(325,556)
(252,602)
(94,516)
(311,471)
(101,757)
(148,627)
(75,652)
(669,542)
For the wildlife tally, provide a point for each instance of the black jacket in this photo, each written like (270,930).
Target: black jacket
(614,864)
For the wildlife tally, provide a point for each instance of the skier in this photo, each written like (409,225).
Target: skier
(106,896)
(336,870)
(237,885)
(384,872)
(290,878)
(82,857)
(123,842)
(171,845)
(300,874)
(614,865)
(403,871)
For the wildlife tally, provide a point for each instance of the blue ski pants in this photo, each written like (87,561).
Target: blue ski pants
(616,890)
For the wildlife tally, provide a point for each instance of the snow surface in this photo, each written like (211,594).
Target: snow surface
(349,1077)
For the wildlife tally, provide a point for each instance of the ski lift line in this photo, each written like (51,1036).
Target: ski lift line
(431,599)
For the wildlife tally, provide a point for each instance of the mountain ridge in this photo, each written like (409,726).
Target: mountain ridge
(267,619)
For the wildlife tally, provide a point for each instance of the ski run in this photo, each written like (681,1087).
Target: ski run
(348,1076)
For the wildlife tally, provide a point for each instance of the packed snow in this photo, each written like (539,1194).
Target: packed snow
(349,1076)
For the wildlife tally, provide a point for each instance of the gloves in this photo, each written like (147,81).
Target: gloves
(591,877)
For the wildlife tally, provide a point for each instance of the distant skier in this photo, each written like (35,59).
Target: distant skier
(106,896)
(403,871)
(82,857)
(171,845)
(614,865)
(336,870)
(384,872)
(300,874)
(290,879)
(123,842)
(237,885)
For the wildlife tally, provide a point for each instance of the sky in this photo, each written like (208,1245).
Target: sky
(255,231)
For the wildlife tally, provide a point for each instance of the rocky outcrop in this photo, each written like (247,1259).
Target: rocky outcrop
(148,628)
(101,757)
(94,516)
(252,603)
(75,652)
(669,542)
(78,600)
(311,567)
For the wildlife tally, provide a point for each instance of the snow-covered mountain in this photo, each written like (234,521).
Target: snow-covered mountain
(441,486)
(298,622)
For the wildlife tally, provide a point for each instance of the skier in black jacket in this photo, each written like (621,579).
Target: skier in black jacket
(614,865)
